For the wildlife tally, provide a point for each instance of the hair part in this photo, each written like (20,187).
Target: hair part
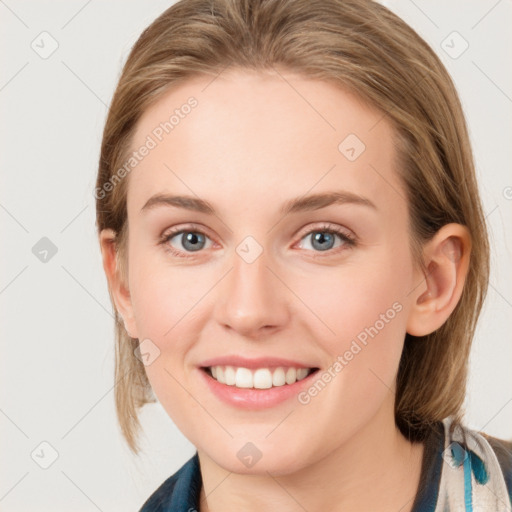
(365,49)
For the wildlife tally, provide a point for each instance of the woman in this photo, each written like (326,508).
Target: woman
(297,256)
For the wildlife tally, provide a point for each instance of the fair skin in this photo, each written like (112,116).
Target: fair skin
(250,145)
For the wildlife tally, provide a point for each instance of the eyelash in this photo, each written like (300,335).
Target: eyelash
(349,241)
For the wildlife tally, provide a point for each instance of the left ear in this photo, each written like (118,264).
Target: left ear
(446,258)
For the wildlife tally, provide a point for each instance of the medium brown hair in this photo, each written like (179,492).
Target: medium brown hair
(367,50)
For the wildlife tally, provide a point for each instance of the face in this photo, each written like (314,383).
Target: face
(269,278)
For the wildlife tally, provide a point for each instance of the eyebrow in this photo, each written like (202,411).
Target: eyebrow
(299,204)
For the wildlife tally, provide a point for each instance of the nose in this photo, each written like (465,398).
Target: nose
(252,300)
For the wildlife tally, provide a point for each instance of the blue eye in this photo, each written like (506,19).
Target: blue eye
(191,241)
(194,240)
(323,239)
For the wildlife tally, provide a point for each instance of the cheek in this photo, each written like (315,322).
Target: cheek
(162,295)
(167,306)
(362,312)
(154,302)
(367,313)
(349,299)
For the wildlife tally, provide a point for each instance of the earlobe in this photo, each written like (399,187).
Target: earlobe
(446,258)
(118,289)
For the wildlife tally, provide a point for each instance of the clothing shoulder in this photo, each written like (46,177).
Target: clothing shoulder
(503,450)
(179,491)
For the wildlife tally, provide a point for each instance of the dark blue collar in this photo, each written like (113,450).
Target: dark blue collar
(180,492)
(428,488)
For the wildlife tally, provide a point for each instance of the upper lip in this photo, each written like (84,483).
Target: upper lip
(254,363)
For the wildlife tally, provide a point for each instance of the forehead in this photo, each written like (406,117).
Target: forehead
(262,135)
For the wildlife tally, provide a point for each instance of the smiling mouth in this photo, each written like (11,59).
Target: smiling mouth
(261,378)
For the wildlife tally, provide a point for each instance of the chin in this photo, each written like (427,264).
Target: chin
(273,460)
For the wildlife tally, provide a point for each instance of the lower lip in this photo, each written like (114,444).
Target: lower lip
(254,399)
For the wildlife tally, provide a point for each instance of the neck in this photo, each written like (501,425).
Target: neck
(375,469)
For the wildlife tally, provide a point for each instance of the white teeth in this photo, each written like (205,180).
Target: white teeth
(243,378)
(301,373)
(291,375)
(229,376)
(278,378)
(262,378)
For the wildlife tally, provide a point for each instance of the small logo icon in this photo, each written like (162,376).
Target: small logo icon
(147,352)
(249,249)
(455,455)
(44,45)
(454,45)
(44,455)
(44,250)
(249,455)
(351,147)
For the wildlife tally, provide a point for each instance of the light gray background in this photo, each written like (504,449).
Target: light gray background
(56,326)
